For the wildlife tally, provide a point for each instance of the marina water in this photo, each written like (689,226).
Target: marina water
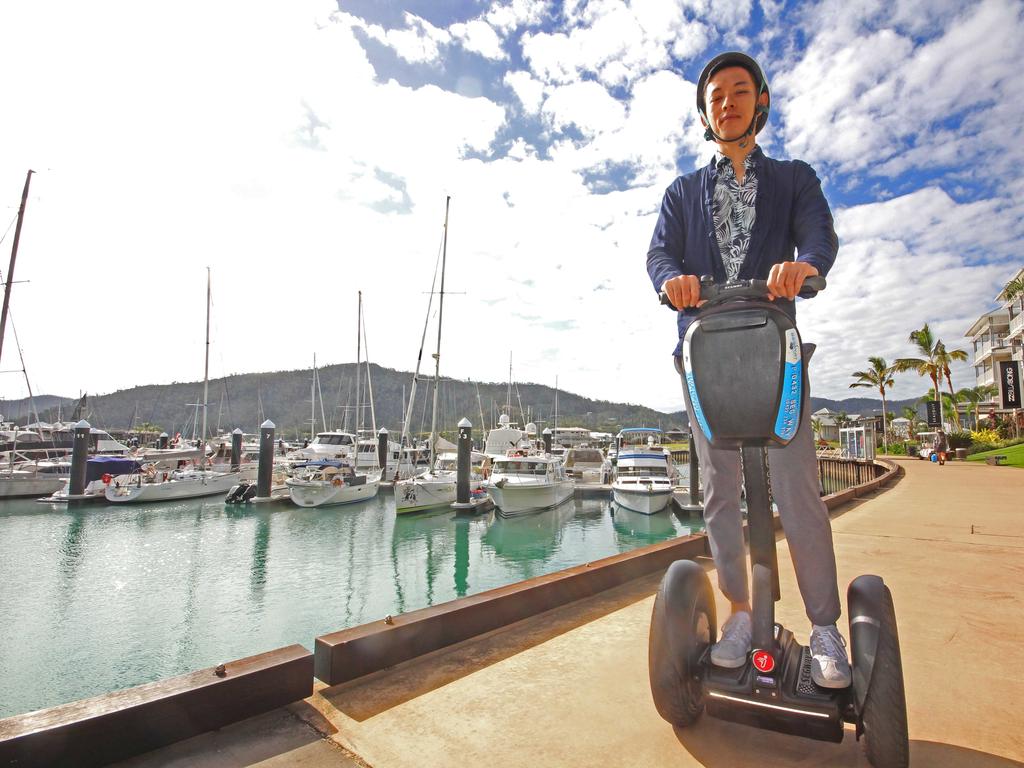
(98,598)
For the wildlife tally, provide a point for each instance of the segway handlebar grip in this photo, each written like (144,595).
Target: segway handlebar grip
(745,289)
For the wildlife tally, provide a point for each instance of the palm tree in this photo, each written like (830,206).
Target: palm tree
(949,409)
(878,375)
(926,365)
(1012,289)
(976,396)
(943,357)
(910,414)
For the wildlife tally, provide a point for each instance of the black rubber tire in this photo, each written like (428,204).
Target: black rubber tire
(884,718)
(683,625)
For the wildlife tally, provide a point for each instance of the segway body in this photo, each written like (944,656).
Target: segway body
(744,379)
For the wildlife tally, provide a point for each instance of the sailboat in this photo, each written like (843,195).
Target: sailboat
(328,482)
(437,486)
(149,483)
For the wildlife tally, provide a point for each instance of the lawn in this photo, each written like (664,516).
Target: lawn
(1014,455)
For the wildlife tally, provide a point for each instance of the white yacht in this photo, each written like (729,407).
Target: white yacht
(436,488)
(332,444)
(644,475)
(33,478)
(150,484)
(328,482)
(507,437)
(523,483)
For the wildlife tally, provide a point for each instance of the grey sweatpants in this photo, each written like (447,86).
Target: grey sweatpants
(795,489)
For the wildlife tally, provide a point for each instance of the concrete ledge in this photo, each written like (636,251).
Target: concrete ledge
(357,651)
(124,723)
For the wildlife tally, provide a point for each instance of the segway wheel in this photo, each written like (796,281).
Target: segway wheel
(683,625)
(884,711)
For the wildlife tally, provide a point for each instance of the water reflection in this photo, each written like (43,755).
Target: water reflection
(105,597)
(636,529)
(527,540)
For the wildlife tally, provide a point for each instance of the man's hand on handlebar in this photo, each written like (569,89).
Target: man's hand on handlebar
(786,279)
(683,291)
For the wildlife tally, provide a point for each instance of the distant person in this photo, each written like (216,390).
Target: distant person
(743,216)
(940,446)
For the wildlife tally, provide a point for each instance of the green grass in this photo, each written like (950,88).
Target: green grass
(1014,455)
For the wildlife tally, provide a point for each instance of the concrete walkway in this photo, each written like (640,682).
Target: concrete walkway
(569,688)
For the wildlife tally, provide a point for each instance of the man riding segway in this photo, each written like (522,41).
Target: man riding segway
(727,234)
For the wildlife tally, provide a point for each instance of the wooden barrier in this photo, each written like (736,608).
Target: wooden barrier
(357,651)
(121,724)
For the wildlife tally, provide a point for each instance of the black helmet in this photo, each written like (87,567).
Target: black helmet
(734,59)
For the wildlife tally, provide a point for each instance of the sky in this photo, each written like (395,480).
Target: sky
(304,151)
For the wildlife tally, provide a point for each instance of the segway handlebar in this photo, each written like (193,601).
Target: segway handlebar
(715,293)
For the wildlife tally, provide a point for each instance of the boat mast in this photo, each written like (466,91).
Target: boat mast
(508,395)
(437,354)
(206,370)
(408,409)
(320,394)
(14,256)
(312,402)
(480,406)
(359,361)
(369,385)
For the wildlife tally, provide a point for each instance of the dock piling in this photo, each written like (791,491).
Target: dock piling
(694,504)
(236,450)
(546,434)
(265,473)
(464,461)
(382,450)
(164,440)
(79,455)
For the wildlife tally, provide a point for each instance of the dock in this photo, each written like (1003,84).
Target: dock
(569,687)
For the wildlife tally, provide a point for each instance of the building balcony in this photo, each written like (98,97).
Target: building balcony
(989,349)
(1016,326)
(987,377)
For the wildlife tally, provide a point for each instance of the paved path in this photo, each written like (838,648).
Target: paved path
(569,688)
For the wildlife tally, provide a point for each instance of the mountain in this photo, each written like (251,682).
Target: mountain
(234,401)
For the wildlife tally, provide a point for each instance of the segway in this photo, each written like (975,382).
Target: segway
(745,379)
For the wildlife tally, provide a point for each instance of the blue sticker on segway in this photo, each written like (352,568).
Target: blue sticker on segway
(788,419)
(698,412)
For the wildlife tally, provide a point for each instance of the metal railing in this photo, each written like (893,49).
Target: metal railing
(837,474)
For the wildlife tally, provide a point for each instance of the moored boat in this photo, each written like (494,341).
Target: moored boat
(520,484)
(644,476)
(327,482)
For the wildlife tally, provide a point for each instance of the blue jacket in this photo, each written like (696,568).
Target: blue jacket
(791,215)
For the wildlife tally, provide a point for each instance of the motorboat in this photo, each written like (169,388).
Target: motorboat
(526,483)
(436,487)
(327,482)
(332,444)
(587,465)
(644,475)
(506,437)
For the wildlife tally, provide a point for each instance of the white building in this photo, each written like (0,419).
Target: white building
(997,336)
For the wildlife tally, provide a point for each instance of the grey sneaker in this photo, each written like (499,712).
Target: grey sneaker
(830,667)
(732,649)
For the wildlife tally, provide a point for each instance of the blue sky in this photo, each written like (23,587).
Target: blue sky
(304,151)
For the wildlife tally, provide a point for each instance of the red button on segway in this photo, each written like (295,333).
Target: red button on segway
(763,661)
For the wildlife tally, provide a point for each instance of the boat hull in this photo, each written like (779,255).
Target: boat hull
(518,498)
(13,487)
(422,493)
(641,497)
(323,493)
(172,489)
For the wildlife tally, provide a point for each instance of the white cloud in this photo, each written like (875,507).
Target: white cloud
(587,105)
(479,36)
(871,99)
(420,41)
(529,90)
(508,16)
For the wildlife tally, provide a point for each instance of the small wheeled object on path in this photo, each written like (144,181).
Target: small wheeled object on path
(745,378)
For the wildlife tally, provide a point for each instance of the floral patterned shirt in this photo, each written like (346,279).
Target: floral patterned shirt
(733,211)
